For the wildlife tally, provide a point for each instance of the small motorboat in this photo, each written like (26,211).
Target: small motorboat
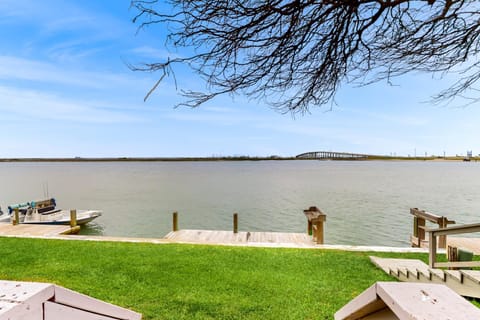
(45,212)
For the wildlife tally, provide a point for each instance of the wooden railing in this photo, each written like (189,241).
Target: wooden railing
(443,232)
(419,225)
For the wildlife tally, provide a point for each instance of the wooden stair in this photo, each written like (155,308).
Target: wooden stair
(463,282)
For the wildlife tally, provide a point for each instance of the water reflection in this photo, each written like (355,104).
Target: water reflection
(92,228)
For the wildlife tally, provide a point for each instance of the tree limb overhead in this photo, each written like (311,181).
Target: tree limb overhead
(296,54)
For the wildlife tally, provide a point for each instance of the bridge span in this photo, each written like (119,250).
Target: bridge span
(330,155)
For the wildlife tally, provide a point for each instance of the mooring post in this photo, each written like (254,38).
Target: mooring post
(319,227)
(73,218)
(16,218)
(235,223)
(175,221)
(315,223)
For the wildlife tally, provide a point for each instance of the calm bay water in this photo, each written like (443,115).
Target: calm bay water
(367,203)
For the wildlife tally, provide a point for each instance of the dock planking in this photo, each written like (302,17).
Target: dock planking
(270,240)
(219,237)
(35,230)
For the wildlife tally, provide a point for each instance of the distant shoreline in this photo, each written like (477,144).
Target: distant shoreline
(144,159)
(240,158)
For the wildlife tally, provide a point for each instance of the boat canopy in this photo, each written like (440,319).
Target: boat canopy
(32,204)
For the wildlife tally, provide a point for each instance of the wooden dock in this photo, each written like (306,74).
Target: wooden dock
(35,230)
(264,239)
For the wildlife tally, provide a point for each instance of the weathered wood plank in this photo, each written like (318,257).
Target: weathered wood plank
(459,264)
(54,311)
(80,301)
(472,275)
(425,301)
(6,229)
(228,237)
(471,244)
(45,301)
(459,229)
(361,306)
(430,216)
(464,282)
(388,263)
(408,301)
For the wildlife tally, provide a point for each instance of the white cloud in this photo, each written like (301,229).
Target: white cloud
(48,106)
(32,70)
(71,52)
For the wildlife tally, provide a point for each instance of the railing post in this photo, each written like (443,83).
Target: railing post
(16,217)
(235,223)
(420,230)
(175,221)
(319,226)
(415,226)
(73,218)
(432,249)
(442,240)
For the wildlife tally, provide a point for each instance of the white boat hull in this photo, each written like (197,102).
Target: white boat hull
(61,217)
(5,217)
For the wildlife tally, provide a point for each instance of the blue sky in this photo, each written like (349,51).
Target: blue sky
(66,91)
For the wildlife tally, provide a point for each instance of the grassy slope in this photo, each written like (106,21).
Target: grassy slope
(197,282)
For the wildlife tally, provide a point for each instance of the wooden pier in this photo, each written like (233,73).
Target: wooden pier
(35,230)
(263,239)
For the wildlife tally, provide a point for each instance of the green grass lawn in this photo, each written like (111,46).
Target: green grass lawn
(198,282)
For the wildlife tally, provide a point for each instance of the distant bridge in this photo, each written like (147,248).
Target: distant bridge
(329,155)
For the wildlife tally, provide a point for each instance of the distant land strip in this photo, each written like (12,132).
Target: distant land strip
(236,158)
(145,159)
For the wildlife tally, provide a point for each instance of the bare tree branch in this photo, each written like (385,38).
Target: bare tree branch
(296,54)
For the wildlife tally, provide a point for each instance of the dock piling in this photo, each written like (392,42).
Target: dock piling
(73,218)
(16,218)
(175,221)
(235,223)
(315,223)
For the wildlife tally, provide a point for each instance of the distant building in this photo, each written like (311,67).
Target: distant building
(469,155)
